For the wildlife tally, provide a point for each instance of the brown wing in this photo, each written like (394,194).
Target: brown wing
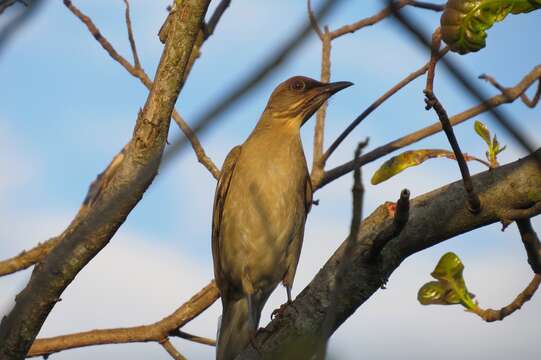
(219,199)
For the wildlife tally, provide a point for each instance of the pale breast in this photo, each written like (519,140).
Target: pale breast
(263,211)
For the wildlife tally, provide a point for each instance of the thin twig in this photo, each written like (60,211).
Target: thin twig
(153,332)
(27,258)
(171,350)
(371,20)
(136,61)
(529,103)
(490,315)
(512,94)
(434,57)
(357,192)
(474,204)
(193,338)
(140,74)
(319,130)
(531,244)
(210,26)
(402,83)
(313,21)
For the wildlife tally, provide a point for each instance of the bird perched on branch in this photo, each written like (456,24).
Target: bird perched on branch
(262,198)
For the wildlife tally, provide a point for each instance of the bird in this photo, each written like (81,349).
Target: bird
(262,199)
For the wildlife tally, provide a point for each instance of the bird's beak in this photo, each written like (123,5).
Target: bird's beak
(320,94)
(334,87)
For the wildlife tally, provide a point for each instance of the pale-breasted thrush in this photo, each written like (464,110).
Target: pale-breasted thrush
(262,198)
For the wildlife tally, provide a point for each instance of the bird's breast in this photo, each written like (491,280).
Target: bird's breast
(264,211)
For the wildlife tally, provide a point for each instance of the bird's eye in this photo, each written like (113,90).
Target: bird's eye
(298,85)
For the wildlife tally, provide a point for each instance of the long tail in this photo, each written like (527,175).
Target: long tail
(236,329)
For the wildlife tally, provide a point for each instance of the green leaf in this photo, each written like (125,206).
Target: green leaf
(482,130)
(405,160)
(464,22)
(450,287)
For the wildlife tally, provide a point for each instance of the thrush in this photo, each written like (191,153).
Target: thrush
(262,199)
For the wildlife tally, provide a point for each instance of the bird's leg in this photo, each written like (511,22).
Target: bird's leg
(288,291)
(278,313)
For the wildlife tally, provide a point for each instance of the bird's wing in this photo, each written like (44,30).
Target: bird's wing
(219,199)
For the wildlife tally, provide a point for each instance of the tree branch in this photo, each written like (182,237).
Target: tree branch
(139,73)
(136,61)
(474,205)
(92,229)
(491,315)
(27,258)
(319,129)
(433,217)
(531,244)
(511,95)
(166,344)
(525,99)
(157,331)
(369,21)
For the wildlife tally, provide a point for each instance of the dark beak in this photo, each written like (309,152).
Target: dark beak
(334,87)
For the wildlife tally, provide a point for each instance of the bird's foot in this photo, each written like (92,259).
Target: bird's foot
(279,313)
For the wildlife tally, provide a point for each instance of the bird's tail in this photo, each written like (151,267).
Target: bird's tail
(236,329)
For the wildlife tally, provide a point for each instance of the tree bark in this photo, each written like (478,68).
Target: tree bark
(93,227)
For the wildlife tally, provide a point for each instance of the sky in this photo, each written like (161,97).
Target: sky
(67,108)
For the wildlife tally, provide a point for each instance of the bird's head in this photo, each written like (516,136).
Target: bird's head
(295,100)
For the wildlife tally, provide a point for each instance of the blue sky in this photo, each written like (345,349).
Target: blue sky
(67,108)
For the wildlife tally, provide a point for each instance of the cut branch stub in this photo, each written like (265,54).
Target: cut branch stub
(464,22)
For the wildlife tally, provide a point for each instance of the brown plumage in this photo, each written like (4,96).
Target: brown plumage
(262,199)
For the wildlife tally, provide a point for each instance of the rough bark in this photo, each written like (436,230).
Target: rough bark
(92,228)
(434,217)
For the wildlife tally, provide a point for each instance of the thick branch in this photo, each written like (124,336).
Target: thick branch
(511,95)
(157,331)
(434,217)
(92,229)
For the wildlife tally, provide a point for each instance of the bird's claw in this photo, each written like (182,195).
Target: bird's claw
(279,313)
